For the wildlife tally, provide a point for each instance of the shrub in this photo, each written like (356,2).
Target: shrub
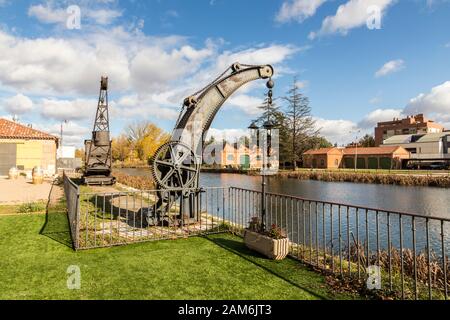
(31,207)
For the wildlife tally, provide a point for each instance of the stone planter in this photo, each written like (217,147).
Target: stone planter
(276,249)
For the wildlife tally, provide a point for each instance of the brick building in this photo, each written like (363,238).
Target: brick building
(389,157)
(24,147)
(417,124)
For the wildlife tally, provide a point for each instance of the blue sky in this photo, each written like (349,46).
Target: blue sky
(157,52)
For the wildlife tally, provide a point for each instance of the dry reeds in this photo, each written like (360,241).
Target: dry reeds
(395,179)
(138,182)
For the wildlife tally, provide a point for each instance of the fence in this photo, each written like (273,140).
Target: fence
(346,240)
(110,219)
(410,250)
(72,194)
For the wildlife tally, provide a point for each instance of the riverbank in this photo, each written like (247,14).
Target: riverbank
(392,177)
(405,179)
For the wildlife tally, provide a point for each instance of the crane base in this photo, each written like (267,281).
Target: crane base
(99,180)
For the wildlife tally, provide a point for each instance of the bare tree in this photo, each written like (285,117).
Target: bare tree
(300,124)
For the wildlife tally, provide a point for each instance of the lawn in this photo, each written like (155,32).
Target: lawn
(36,254)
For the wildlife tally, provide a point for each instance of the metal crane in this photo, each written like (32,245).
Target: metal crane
(176,164)
(98,159)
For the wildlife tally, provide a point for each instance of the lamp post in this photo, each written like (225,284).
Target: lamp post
(265,150)
(265,154)
(356,148)
(61,137)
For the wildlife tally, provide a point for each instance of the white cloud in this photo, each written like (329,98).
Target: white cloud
(135,106)
(350,15)
(18,104)
(245,103)
(390,67)
(437,101)
(337,131)
(60,110)
(50,13)
(298,10)
(379,115)
(102,16)
(47,14)
(61,66)
(230,135)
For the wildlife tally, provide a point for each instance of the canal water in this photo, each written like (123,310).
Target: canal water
(311,223)
(429,201)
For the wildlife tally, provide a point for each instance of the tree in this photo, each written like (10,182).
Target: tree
(79,153)
(319,142)
(367,141)
(270,111)
(145,138)
(121,148)
(300,124)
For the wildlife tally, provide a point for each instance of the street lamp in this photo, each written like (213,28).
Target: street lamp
(356,147)
(267,143)
(61,138)
(255,132)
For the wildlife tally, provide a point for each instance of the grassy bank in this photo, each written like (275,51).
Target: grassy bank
(138,182)
(404,179)
(35,262)
(29,207)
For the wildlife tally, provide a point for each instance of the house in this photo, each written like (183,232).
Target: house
(325,158)
(236,156)
(417,124)
(386,157)
(23,147)
(425,149)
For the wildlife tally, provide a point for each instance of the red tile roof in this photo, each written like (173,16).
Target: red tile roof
(322,151)
(13,130)
(372,150)
(353,151)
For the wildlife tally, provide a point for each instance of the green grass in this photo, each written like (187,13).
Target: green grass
(31,207)
(34,264)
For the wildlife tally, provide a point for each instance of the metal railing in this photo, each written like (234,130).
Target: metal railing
(410,250)
(72,194)
(117,218)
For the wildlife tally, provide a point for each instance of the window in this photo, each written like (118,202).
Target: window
(322,162)
(230,157)
(336,162)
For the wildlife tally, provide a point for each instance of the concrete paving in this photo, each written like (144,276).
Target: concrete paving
(23,190)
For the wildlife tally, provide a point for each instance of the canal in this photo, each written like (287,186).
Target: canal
(429,201)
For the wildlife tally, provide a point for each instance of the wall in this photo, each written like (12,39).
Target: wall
(31,153)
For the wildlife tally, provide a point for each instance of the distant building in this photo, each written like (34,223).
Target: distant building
(238,156)
(325,158)
(24,147)
(417,124)
(386,157)
(424,147)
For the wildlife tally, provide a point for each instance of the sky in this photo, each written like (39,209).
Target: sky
(358,61)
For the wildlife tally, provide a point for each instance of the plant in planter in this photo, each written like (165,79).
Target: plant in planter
(272,243)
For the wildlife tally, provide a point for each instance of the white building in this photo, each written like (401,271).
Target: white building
(432,146)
